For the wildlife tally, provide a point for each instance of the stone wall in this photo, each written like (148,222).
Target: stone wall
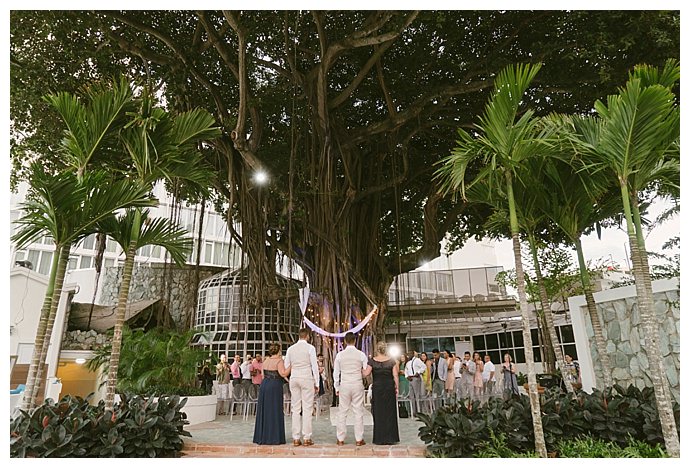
(84,340)
(148,283)
(625,340)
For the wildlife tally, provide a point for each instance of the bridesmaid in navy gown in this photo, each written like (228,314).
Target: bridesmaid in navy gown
(270,420)
(384,402)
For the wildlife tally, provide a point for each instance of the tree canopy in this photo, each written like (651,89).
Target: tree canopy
(348,111)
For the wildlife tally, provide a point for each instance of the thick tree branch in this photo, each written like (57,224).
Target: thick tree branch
(220,45)
(347,92)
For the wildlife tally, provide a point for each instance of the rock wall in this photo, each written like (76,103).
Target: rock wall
(84,340)
(626,342)
(153,282)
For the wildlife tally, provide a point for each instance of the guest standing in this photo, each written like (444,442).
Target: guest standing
(450,377)
(426,377)
(304,383)
(269,428)
(414,369)
(349,366)
(478,378)
(403,383)
(385,387)
(489,375)
(510,385)
(255,371)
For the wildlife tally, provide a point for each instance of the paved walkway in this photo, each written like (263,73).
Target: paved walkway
(233,439)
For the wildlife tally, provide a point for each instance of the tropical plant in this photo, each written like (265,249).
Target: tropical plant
(496,447)
(634,138)
(68,209)
(505,139)
(160,361)
(137,427)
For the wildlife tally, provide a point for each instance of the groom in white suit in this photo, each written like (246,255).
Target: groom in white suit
(349,367)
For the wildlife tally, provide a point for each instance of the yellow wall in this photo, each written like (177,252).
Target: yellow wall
(76,379)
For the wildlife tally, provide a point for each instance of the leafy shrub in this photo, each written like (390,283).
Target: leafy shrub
(150,361)
(496,447)
(137,427)
(589,447)
(617,415)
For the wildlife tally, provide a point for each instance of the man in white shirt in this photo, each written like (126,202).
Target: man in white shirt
(246,372)
(489,375)
(413,372)
(349,367)
(304,383)
(439,372)
(467,369)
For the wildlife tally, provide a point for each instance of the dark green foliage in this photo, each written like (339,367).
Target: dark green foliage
(138,427)
(627,418)
(156,361)
(589,447)
(497,447)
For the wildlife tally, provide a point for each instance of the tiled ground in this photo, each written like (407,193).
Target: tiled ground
(226,438)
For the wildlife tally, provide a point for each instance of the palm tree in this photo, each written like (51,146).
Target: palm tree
(576,201)
(67,209)
(159,146)
(503,140)
(635,137)
(134,230)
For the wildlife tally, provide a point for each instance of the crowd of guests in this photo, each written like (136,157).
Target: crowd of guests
(415,377)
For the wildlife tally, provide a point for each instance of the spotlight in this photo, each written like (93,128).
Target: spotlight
(80,360)
(260,177)
(394,351)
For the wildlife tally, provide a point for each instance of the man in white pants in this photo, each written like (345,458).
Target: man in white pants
(413,372)
(304,382)
(349,367)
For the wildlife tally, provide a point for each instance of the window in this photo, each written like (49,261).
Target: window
(33,257)
(45,264)
(86,262)
(110,245)
(108,262)
(89,241)
(156,251)
(208,252)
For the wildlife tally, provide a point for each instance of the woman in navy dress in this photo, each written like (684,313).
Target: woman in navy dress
(384,401)
(270,420)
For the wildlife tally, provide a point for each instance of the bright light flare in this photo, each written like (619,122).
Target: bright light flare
(394,351)
(80,360)
(260,177)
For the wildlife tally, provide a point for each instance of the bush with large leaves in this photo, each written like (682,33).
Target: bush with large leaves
(155,361)
(137,427)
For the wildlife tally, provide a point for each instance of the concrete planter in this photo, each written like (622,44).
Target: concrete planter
(199,409)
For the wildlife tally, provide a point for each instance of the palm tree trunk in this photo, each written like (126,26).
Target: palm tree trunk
(643,286)
(32,378)
(594,316)
(119,323)
(548,318)
(54,303)
(539,442)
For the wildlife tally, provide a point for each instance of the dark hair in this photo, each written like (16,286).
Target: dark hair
(435,350)
(449,353)
(349,338)
(304,333)
(319,355)
(467,352)
(273,349)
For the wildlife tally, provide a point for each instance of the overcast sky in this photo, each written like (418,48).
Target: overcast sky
(613,242)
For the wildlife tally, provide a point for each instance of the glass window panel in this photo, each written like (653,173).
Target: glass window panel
(217,253)
(156,251)
(108,262)
(567,335)
(535,336)
(89,241)
(44,267)
(491,341)
(429,344)
(478,342)
(85,261)
(537,353)
(518,341)
(478,281)
(33,258)
(414,344)
(447,342)
(19,255)
(519,355)
(72,263)
(110,245)
(208,252)
(571,350)
(505,340)
(461,283)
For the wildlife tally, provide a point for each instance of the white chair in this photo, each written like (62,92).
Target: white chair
(287,402)
(252,399)
(239,398)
